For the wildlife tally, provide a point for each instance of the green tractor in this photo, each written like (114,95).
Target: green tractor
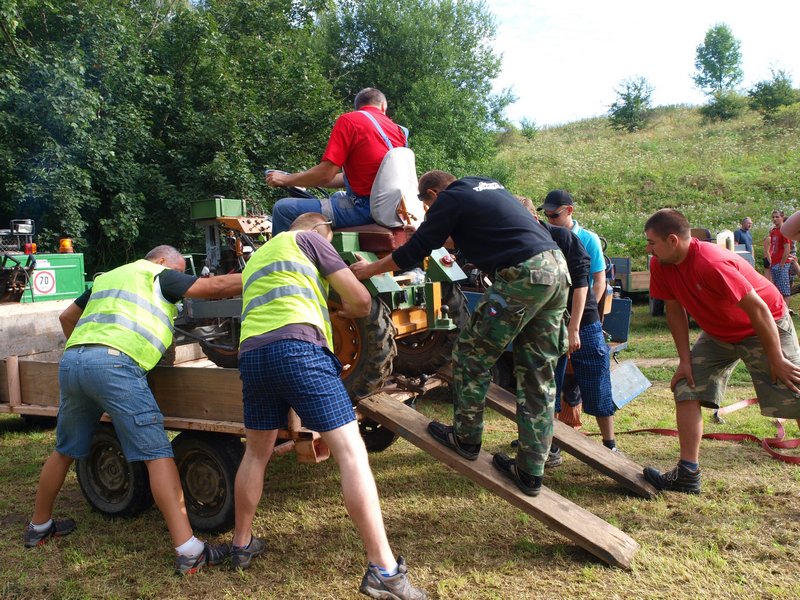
(410,331)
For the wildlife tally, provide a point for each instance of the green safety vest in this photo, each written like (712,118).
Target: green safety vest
(281,286)
(126,312)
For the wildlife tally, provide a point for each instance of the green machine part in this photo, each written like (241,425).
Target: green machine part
(56,277)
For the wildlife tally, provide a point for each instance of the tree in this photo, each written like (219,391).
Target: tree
(632,108)
(434,61)
(718,61)
(769,95)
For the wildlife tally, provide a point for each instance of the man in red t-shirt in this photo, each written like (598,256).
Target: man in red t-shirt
(358,142)
(742,315)
(779,250)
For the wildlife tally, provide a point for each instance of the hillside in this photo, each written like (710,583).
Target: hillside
(714,173)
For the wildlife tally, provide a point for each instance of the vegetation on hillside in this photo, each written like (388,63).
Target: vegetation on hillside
(716,173)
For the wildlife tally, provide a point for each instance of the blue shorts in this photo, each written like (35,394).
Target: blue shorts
(97,379)
(780,278)
(592,368)
(293,374)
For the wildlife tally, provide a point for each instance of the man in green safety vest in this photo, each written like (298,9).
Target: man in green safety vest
(116,332)
(286,361)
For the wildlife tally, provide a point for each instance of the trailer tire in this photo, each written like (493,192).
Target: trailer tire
(110,484)
(656,307)
(503,372)
(226,357)
(207,465)
(428,351)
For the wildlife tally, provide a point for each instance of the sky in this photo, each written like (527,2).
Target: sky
(565,59)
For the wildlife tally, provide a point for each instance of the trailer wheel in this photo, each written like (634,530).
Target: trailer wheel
(503,372)
(428,351)
(207,465)
(110,484)
(366,349)
(226,357)
(656,307)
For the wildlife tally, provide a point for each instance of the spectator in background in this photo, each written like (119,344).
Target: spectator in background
(743,235)
(779,249)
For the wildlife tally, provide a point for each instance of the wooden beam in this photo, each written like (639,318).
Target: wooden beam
(620,468)
(591,533)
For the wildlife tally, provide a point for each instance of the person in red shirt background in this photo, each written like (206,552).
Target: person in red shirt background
(742,315)
(356,147)
(779,249)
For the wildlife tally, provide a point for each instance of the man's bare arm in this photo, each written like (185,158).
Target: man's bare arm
(598,285)
(364,269)
(325,174)
(219,286)
(678,324)
(356,300)
(69,318)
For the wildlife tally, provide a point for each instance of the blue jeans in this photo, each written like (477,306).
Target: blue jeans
(346,210)
(96,379)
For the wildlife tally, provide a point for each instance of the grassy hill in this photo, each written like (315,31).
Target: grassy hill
(715,173)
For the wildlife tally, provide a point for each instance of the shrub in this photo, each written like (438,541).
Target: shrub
(787,117)
(724,106)
(769,95)
(528,128)
(632,109)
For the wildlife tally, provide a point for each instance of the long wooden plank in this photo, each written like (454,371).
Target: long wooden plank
(620,468)
(591,533)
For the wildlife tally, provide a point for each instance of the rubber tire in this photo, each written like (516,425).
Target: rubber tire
(656,307)
(426,352)
(110,484)
(207,465)
(375,350)
(227,358)
(39,421)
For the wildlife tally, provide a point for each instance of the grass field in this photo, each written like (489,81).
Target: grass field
(740,538)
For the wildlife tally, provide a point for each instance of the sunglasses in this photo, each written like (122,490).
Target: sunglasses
(555,215)
(321,224)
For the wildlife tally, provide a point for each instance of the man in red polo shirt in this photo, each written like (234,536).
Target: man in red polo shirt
(742,315)
(357,145)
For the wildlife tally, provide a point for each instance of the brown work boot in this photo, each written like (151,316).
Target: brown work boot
(396,587)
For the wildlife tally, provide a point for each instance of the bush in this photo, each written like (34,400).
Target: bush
(769,95)
(632,109)
(787,117)
(724,106)
(528,128)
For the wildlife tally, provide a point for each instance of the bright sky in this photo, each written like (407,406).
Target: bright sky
(564,60)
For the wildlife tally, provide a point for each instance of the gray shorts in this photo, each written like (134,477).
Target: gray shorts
(713,361)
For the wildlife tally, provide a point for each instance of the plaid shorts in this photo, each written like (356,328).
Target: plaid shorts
(293,374)
(780,277)
(592,367)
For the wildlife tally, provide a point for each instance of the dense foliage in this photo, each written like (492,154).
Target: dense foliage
(633,107)
(770,95)
(718,61)
(116,114)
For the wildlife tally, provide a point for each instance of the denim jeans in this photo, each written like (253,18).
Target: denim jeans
(346,210)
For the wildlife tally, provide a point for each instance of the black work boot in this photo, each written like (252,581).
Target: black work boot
(531,485)
(680,479)
(446,435)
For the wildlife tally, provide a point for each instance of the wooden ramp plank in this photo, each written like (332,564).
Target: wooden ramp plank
(620,468)
(588,531)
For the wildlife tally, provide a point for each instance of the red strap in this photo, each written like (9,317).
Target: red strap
(736,406)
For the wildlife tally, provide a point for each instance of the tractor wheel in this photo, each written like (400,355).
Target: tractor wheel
(207,465)
(110,484)
(503,372)
(226,357)
(365,347)
(427,351)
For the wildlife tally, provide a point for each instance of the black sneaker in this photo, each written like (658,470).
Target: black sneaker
(58,528)
(396,587)
(242,556)
(680,479)
(210,556)
(530,485)
(445,434)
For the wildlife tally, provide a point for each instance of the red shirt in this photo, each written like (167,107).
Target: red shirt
(356,145)
(709,283)
(776,243)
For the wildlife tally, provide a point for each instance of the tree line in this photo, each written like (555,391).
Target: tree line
(116,114)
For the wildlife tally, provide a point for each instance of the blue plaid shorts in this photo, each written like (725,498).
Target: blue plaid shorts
(293,374)
(592,368)
(780,277)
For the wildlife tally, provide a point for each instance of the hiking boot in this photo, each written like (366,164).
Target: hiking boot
(530,485)
(554,459)
(211,555)
(445,434)
(396,587)
(241,556)
(58,528)
(680,479)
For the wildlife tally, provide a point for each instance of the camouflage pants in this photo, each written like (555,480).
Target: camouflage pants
(713,362)
(526,305)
